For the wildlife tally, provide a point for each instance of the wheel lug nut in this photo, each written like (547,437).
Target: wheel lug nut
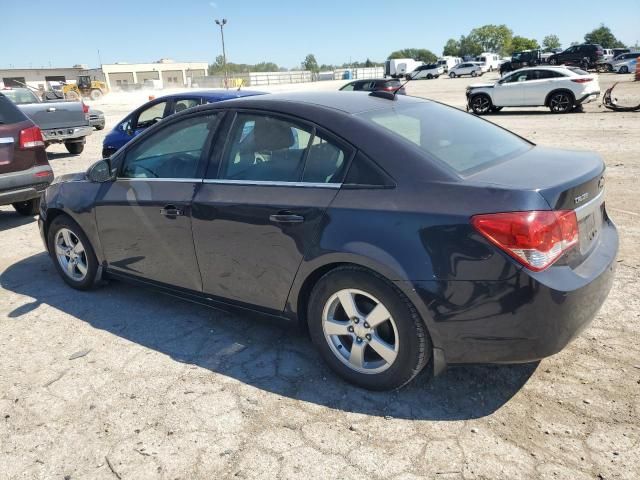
(368,336)
(359,340)
(350,329)
(366,325)
(356,321)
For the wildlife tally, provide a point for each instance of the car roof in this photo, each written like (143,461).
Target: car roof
(213,94)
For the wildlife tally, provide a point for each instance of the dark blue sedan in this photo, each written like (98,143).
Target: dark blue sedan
(152,112)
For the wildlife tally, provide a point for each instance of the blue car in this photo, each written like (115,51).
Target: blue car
(152,112)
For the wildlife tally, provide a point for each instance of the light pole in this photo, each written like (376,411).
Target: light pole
(222,23)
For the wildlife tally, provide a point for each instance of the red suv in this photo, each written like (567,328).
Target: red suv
(24,169)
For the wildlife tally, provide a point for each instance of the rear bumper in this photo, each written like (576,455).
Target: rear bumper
(589,97)
(526,318)
(55,135)
(25,185)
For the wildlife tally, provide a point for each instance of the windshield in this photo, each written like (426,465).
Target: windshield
(9,113)
(462,141)
(20,96)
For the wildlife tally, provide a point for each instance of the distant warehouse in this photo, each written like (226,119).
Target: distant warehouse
(162,74)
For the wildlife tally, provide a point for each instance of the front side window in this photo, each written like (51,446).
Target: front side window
(463,142)
(151,115)
(515,78)
(185,103)
(270,149)
(348,87)
(172,152)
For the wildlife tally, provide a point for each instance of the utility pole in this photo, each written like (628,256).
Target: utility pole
(222,23)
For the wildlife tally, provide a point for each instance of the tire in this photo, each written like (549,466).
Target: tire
(584,64)
(561,102)
(429,76)
(623,69)
(402,336)
(99,127)
(609,68)
(95,94)
(28,208)
(452,75)
(72,96)
(74,148)
(474,74)
(481,104)
(77,267)
(553,61)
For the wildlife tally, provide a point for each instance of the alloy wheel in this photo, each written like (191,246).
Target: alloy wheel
(360,331)
(481,104)
(71,254)
(560,102)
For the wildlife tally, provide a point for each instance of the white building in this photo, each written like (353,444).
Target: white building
(166,73)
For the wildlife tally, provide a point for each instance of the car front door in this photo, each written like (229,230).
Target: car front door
(144,216)
(262,205)
(508,92)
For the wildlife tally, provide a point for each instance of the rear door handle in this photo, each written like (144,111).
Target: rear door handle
(171,211)
(286,217)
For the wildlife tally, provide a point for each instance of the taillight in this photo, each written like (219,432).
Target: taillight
(85,107)
(390,89)
(31,138)
(581,80)
(535,239)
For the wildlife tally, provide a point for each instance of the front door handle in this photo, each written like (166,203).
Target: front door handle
(171,211)
(285,217)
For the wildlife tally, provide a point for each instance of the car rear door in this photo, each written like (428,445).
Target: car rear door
(262,205)
(144,216)
(536,87)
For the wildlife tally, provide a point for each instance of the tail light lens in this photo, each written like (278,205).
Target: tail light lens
(85,107)
(582,80)
(535,239)
(31,138)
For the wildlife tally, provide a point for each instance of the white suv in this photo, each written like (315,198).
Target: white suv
(430,71)
(466,68)
(562,89)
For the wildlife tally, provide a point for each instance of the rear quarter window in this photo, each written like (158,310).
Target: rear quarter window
(461,141)
(9,113)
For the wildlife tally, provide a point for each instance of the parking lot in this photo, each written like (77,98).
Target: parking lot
(124,383)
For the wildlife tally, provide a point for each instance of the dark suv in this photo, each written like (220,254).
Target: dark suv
(526,58)
(587,55)
(24,169)
(373,85)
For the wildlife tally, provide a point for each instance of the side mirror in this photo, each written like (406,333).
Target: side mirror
(100,172)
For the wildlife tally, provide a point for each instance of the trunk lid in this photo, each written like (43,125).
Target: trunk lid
(54,115)
(567,180)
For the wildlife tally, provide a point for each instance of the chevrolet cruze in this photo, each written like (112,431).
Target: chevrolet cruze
(401,232)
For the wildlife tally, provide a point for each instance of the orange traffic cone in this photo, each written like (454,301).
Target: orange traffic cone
(152,97)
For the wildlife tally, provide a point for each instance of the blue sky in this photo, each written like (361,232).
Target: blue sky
(282,31)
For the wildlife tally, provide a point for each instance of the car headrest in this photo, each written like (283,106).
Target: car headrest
(271,134)
(180,107)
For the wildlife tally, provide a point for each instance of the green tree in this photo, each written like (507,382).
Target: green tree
(451,48)
(310,63)
(519,44)
(419,54)
(469,47)
(604,37)
(551,41)
(493,38)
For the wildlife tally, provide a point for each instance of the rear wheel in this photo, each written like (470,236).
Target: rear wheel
(28,208)
(481,104)
(474,74)
(72,95)
(74,148)
(623,69)
(553,61)
(429,76)
(561,102)
(366,329)
(72,253)
(452,75)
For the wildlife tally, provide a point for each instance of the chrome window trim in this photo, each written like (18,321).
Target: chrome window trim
(267,183)
(153,179)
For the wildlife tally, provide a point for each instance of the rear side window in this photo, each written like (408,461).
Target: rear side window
(21,96)
(463,142)
(9,113)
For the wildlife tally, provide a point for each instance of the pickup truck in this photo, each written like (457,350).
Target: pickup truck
(60,121)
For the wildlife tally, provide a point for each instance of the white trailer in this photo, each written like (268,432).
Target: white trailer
(448,62)
(399,67)
(490,61)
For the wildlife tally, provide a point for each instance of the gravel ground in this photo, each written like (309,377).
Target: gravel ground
(124,383)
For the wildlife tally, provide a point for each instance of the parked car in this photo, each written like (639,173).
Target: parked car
(152,112)
(477,247)
(59,121)
(585,56)
(448,62)
(620,59)
(466,68)
(561,89)
(24,169)
(96,118)
(489,61)
(373,85)
(526,58)
(399,67)
(626,66)
(432,70)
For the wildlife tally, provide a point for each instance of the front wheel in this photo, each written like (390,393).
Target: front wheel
(474,74)
(28,208)
(366,329)
(452,75)
(624,69)
(481,104)
(96,94)
(75,148)
(553,61)
(429,77)
(72,253)
(561,102)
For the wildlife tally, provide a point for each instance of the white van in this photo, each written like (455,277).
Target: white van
(448,62)
(399,67)
(490,61)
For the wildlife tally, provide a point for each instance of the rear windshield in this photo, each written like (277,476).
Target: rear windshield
(20,96)
(393,83)
(460,140)
(9,113)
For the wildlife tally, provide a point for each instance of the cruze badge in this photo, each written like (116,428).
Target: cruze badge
(581,198)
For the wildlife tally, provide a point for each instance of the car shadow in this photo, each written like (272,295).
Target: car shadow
(268,356)
(60,155)
(11,219)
